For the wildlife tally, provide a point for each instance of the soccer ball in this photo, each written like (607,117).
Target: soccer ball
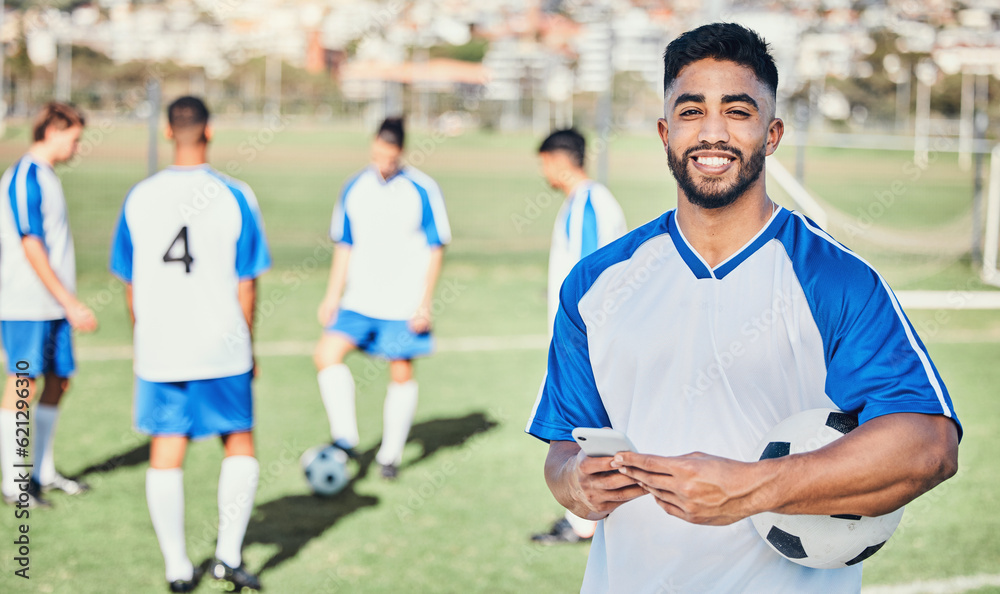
(823,542)
(325,467)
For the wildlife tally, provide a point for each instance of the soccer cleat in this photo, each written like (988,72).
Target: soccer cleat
(234,579)
(34,500)
(186,585)
(348,449)
(389,471)
(66,485)
(561,532)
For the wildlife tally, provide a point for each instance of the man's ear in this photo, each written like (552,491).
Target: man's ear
(774,133)
(208,132)
(661,129)
(168,132)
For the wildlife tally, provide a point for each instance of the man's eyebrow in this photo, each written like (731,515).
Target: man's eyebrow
(740,98)
(689,98)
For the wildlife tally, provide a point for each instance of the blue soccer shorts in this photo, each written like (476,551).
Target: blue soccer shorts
(46,346)
(391,339)
(196,408)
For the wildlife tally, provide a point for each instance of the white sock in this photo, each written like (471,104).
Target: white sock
(165,498)
(397,416)
(336,386)
(237,487)
(46,417)
(8,453)
(584,528)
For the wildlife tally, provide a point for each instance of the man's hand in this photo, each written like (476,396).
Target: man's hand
(327,312)
(80,317)
(421,321)
(698,488)
(588,487)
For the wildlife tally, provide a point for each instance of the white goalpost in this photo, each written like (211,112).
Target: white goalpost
(990,274)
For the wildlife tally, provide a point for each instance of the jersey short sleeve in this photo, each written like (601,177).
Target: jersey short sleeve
(252,254)
(340,223)
(121,248)
(876,363)
(569,396)
(26,202)
(434,218)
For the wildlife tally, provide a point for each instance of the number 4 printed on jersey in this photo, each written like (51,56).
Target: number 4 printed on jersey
(186,258)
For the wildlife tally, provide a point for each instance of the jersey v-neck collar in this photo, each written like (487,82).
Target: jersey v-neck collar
(697,264)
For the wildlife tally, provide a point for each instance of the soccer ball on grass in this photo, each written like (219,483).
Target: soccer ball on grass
(325,467)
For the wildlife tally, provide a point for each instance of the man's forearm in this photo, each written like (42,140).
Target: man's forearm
(248,301)
(879,467)
(338,272)
(433,274)
(38,257)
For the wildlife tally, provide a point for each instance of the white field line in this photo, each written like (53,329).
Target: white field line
(964,583)
(304,348)
(949,299)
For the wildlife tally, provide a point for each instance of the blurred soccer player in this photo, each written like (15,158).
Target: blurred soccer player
(590,218)
(38,303)
(390,227)
(189,245)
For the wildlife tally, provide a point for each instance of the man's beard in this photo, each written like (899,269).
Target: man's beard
(714,193)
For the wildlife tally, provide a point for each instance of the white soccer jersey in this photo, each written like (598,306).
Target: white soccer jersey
(33,204)
(392,226)
(681,357)
(590,218)
(185,238)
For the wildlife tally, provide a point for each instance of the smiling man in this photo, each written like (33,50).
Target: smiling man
(660,336)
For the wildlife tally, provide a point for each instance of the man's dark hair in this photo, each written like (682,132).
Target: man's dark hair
(188,118)
(720,41)
(58,116)
(568,141)
(392,132)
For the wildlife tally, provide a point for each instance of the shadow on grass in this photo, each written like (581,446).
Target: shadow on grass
(292,521)
(134,457)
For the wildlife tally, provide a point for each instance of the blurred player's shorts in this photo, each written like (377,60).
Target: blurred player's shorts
(196,408)
(391,339)
(46,346)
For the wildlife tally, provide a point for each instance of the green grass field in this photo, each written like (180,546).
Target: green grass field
(471,489)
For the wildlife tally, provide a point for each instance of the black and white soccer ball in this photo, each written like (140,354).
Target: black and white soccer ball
(823,542)
(326,470)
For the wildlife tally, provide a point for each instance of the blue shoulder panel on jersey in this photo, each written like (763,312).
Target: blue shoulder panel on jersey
(588,234)
(570,397)
(876,363)
(121,247)
(27,208)
(427,213)
(252,255)
(345,225)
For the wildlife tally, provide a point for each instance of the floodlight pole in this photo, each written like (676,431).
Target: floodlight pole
(604,106)
(3,79)
(980,123)
(153,98)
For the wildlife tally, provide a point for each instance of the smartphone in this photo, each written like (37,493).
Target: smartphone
(602,442)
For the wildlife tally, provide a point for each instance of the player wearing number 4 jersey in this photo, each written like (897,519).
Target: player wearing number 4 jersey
(189,245)
(38,305)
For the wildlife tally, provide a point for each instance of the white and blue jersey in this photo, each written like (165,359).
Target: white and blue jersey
(32,203)
(683,357)
(590,218)
(391,227)
(185,239)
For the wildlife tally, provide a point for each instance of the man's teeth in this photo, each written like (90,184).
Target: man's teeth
(714,161)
